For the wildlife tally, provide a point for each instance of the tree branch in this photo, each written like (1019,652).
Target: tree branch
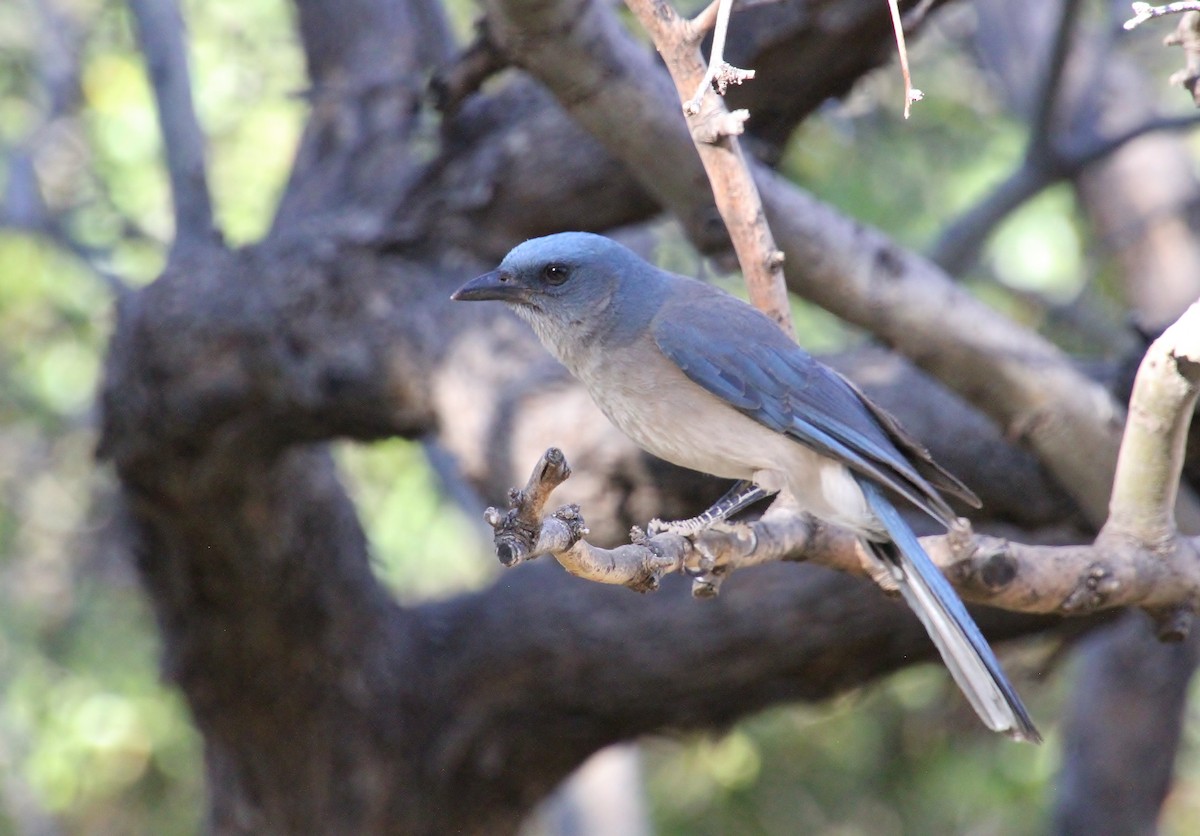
(1052,154)
(1122,729)
(1151,457)
(1031,389)
(1063,580)
(608,82)
(1050,92)
(714,132)
(1145,11)
(958,247)
(1138,559)
(159,26)
(720,73)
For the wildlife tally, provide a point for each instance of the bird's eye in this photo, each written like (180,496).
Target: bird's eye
(555,274)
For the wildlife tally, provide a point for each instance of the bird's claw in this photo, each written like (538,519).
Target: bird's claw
(684,528)
(689,528)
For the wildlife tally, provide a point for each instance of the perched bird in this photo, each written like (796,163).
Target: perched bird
(701,379)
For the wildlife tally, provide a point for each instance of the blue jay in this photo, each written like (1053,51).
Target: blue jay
(699,378)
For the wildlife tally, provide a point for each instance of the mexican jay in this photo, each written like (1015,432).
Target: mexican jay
(701,379)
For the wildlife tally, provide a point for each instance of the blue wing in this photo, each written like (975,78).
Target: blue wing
(739,355)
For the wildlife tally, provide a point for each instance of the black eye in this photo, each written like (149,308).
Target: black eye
(555,274)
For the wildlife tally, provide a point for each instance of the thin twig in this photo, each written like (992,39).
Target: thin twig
(911,94)
(1144,11)
(720,73)
(159,25)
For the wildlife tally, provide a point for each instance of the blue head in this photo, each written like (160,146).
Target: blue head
(571,286)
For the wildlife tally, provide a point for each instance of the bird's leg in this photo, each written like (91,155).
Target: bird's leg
(742,494)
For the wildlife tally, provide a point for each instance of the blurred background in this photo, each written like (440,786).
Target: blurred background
(90,739)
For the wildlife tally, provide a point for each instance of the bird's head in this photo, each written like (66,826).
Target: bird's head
(567,280)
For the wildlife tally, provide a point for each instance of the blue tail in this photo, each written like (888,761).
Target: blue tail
(963,648)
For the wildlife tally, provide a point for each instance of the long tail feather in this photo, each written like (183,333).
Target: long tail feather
(963,648)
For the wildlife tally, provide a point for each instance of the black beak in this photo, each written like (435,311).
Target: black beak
(489,286)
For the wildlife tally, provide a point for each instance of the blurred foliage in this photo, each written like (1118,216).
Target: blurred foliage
(901,757)
(92,742)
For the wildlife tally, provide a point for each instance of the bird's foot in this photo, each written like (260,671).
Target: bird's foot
(684,528)
(703,563)
(742,494)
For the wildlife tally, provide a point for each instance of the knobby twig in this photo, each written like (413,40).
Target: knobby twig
(1138,559)
(714,131)
(720,73)
(159,26)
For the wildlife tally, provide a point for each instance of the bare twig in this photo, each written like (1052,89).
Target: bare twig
(720,73)
(159,25)
(1144,11)
(911,94)
(733,187)
(1069,580)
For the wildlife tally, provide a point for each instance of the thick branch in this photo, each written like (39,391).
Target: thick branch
(159,25)
(1156,431)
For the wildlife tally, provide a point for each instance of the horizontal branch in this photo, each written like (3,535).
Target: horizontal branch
(1145,11)
(1138,559)
(1065,580)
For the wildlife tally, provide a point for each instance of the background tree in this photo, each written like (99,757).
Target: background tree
(326,701)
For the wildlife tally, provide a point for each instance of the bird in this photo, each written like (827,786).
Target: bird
(696,376)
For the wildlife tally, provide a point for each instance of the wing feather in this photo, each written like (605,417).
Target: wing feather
(768,377)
